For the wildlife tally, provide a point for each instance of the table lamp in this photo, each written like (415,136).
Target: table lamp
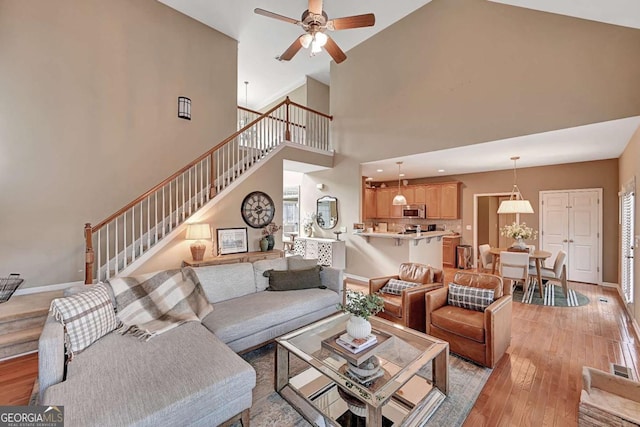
(198,232)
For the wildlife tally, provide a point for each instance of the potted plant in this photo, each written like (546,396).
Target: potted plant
(519,232)
(361,306)
(268,233)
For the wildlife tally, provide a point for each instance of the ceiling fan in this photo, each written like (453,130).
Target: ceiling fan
(315,22)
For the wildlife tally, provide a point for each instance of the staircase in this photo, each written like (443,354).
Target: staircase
(115,243)
(21,322)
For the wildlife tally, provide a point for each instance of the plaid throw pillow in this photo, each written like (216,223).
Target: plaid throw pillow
(395,286)
(470,298)
(86,316)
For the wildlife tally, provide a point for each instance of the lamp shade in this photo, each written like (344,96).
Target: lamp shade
(399,199)
(198,232)
(515,206)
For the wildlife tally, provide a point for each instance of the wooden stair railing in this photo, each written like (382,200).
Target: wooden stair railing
(118,240)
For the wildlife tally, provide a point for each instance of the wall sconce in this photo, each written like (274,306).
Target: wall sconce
(184,108)
(198,232)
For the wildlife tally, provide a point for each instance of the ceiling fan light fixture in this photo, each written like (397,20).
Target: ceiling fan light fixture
(306,39)
(321,39)
(315,47)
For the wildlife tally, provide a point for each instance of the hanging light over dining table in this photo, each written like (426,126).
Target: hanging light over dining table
(399,199)
(516,204)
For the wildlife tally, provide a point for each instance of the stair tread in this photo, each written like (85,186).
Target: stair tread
(25,306)
(18,337)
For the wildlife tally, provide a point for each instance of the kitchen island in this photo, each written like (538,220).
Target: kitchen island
(424,248)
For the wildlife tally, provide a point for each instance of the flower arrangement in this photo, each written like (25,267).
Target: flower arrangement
(307,223)
(361,304)
(271,229)
(518,231)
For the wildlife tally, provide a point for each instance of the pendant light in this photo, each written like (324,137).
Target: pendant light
(516,203)
(399,199)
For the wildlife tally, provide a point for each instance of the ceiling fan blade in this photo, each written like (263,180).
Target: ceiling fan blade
(334,50)
(276,16)
(291,50)
(315,7)
(357,21)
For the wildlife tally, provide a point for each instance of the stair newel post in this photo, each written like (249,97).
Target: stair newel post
(89,256)
(212,178)
(287,134)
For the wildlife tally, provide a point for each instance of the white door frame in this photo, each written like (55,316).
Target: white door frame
(601,237)
(475,221)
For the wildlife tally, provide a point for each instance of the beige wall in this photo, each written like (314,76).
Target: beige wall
(225,213)
(88,118)
(629,168)
(459,72)
(318,96)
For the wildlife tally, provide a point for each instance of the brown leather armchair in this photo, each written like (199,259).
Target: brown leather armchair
(407,309)
(480,336)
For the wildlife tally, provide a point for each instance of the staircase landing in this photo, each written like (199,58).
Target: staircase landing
(21,322)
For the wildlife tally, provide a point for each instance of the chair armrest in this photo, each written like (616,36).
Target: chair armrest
(332,279)
(595,378)
(50,355)
(433,301)
(413,305)
(377,283)
(497,327)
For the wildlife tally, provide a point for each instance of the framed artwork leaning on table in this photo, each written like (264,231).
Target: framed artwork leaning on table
(232,240)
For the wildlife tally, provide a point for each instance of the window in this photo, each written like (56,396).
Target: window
(627,220)
(291,210)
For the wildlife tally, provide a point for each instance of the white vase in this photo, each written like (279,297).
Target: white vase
(520,244)
(358,327)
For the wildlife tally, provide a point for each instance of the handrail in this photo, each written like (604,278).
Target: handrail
(210,173)
(180,171)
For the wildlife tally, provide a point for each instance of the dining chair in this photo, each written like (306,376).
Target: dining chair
(532,262)
(557,273)
(515,267)
(486,259)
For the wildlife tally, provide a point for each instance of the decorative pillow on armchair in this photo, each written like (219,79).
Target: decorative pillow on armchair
(395,286)
(470,298)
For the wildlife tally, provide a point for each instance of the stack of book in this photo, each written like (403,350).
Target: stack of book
(356,345)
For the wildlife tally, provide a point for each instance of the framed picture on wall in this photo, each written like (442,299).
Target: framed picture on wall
(232,240)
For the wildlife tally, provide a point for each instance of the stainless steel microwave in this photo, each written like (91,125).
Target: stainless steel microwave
(414,211)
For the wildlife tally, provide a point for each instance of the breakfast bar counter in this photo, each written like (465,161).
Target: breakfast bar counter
(401,237)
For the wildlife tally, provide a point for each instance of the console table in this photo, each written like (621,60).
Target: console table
(329,252)
(234,258)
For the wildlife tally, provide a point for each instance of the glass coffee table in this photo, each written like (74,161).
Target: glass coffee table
(399,382)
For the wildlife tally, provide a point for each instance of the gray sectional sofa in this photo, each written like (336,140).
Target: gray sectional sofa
(190,375)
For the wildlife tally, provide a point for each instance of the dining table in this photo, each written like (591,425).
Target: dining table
(539,256)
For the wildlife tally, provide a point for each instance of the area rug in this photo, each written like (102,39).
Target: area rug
(553,296)
(466,380)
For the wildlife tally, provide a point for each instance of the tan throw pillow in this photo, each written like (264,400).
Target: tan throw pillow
(86,316)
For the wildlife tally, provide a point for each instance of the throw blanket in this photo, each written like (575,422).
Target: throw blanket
(154,303)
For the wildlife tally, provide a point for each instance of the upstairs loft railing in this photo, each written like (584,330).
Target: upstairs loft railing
(117,241)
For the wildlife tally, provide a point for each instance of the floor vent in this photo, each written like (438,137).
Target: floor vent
(621,371)
(602,299)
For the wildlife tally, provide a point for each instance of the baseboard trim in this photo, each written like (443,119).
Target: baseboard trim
(610,285)
(47,288)
(18,355)
(356,277)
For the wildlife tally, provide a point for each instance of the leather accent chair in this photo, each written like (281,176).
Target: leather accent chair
(408,309)
(480,336)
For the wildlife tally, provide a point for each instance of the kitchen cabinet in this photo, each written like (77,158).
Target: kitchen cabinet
(383,203)
(420,195)
(369,210)
(449,201)
(433,196)
(449,245)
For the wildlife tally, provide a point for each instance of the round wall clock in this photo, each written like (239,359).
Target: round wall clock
(258,209)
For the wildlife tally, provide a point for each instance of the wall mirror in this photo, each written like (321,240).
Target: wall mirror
(327,212)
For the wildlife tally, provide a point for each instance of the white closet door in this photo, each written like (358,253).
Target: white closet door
(555,217)
(583,236)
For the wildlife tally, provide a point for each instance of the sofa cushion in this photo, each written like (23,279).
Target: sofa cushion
(414,272)
(241,317)
(175,379)
(296,262)
(393,305)
(294,280)
(259,267)
(87,316)
(396,286)
(223,282)
(469,297)
(460,321)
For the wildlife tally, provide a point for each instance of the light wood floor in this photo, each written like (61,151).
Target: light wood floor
(538,381)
